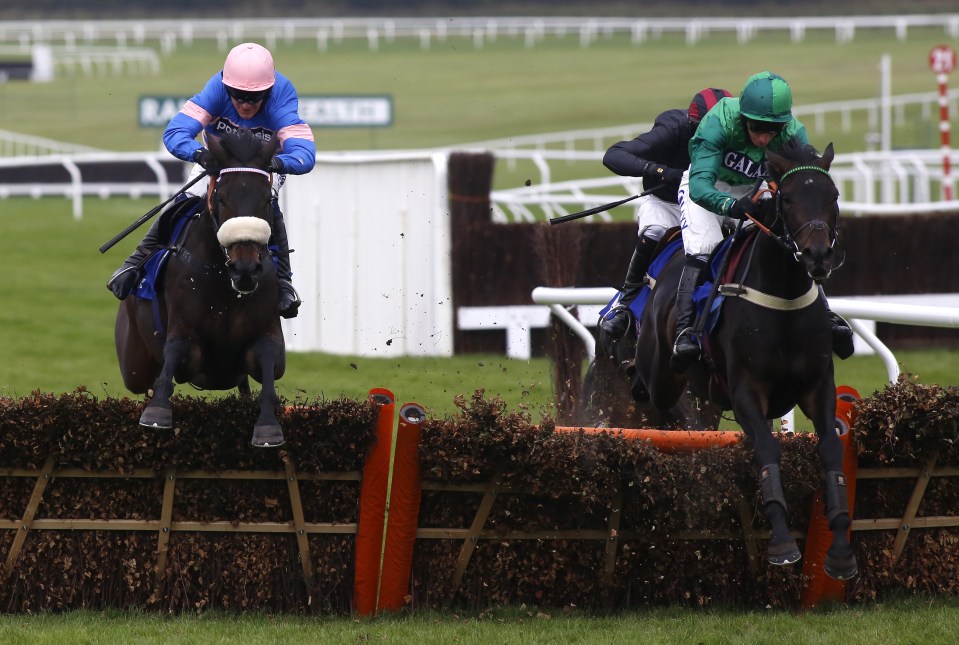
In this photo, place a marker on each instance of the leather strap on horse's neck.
(768, 301)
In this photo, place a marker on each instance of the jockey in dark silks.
(659, 156)
(248, 93)
(727, 158)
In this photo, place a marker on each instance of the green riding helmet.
(767, 97)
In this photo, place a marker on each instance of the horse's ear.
(827, 156)
(777, 163)
(215, 146)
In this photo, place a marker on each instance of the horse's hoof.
(841, 568)
(157, 417)
(784, 553)
(267, 436)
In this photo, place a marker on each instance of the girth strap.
(768, 301)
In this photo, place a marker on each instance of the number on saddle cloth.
(172, 229)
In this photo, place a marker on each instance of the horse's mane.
(242, 144)
(798, 152)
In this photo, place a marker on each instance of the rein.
(788, 242)
(788, 239)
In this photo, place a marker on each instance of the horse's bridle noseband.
(214, 218)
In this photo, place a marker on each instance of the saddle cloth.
(172, 229)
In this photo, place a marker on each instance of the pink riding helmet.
(249, 67)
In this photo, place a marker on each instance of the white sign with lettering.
(318, 111)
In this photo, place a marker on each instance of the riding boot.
(615, 326)
(842, 343)
(289, 299)
(124, 280)
(686, 349)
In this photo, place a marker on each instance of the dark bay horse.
(217, 320)
(771, 348)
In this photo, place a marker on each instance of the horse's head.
(807, 202)
(240, 203)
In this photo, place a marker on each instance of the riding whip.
(156, 209)
(604, 207)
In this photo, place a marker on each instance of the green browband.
(798, 168)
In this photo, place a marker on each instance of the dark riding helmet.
(766, 97)
(704, 101)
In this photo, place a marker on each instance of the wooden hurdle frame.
(391, 489)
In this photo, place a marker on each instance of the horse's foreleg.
(840, 558)
(767, 454)
(782, 547)
(266, 356)
(158, 412)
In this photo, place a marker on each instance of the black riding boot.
(615, 326)
(124, 279)
(686, 348)
(842, 343)
(289, 299)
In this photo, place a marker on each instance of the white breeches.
(654, 216)
(702, 229)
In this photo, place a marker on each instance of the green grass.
(57, 319)
(454, 93)
(919, 621)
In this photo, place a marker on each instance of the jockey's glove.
(277, 166)
(741, 207)
(662, 173)
(206, 159)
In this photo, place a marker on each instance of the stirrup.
(686, 351)
(610, 325)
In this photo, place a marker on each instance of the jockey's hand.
(206, 159)
(741, 207)
(277, 166)
(662, 173)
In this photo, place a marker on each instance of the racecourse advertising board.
(354, 111)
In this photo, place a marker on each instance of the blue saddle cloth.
(701, 295)
(655, 268)
(152, 269)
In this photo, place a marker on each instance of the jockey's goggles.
(764, 127)
(246, 97)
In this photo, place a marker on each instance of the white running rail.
(856, 310)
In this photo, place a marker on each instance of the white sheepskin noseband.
(243, 229)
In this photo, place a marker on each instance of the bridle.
(212, 196)
(787, 239)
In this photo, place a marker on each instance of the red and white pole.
(942, 60)
(947, 187)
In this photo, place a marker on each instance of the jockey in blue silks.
(248, 93)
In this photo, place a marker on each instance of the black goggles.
(764, 127)
(246, 97)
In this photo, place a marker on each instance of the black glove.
(206, 159)
(662, 173)
(741, 207)
(277, 166)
